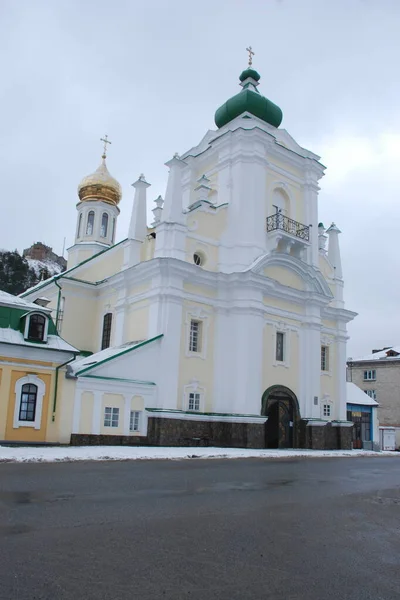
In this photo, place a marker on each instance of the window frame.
(89, 222)
(135, 421)
(111, 415)
(28, 323)
(196, 400)
(278, 336)
(198, 341)
(41, 390)
(371, 394)
(106, 332)
(325, 360)
(107, 218)
(326, 410)
(367, 372)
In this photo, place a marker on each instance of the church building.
(223, 323)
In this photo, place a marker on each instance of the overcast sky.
(151, 74)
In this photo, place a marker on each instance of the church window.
(326, 410)
(324, 358)
(195, 335)
(79, 225)
(370, 375)
(279, 351)
(37, 327)
(194, 401)
(371, 394)
(113, 231)
(27, 407)
(111, 416)
(90, 223)
(134, 422)
(104, 225)
(106, 336)
(198, 259)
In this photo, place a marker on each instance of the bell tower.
(99, 196)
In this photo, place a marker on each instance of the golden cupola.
(100, 186)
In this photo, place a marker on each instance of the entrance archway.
(281, 407)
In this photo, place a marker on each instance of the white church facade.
(221, 324)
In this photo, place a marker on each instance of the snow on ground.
(75, 453)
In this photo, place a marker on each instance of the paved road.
(312, 529)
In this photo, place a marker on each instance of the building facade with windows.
(224, 322)
(378, 375)
(32, 359)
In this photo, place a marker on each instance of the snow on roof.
(18, 302)
(90, 361)
(356, 396)
(54, 342)
(379, 355)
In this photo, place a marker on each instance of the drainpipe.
(58, 302)
(53, 417)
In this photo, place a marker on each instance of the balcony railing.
(280, 221)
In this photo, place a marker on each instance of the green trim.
(102, 362)
(120, 379)
(206, 414)
(61, 275)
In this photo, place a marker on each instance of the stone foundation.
(324, 437)
(180, 432)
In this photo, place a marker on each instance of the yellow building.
(32, 355)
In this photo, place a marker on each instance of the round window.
(198, 259)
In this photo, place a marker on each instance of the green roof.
(249, 100)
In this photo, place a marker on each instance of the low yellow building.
(31, 356)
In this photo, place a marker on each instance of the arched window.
(106, 337)
(79, 225)
(113, 231)
(280, 202)
(90, 223)
(37, 326)
(27, 407)
(104, 225)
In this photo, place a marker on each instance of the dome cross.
(106, 141)
(251, 54)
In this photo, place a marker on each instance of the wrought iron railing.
(280, 221)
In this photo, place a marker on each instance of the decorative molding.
(41, 389)
(195, 387)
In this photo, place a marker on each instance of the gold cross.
(106, 141)
(251, 54)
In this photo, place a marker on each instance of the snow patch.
(85, 453)
(38, 266)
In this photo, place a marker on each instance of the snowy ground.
(56, 454)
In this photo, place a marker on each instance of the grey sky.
(151, 75)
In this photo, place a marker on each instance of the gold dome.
(100, 186)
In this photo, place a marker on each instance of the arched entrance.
(281, 407)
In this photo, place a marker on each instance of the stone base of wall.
(180, 432)
(84, 439)
(324, 437)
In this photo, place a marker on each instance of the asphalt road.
(290, 529)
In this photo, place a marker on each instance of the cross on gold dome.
(251, 54)
(106, 141)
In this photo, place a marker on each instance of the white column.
(340, 365)
(334, 250)
(310, 370)
(127, 412)
(77, 410)
(310, 190)
(138, 224)
(169, 367)
(96, 416)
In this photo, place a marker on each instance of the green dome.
(248, 100)
(249, 73)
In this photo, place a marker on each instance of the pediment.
(293, 273)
